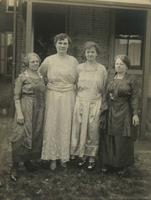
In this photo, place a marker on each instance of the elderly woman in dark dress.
(29, 105)
(122, 116)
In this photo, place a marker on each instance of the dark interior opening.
(46, 26)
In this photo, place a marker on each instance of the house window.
(2, 53)
(129, 36)
(9, 52)
(6, 52)
(10, 5)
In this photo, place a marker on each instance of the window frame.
(10, 4)
(128, 38)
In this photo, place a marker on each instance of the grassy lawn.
(74, 183)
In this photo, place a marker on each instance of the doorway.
(46, 26)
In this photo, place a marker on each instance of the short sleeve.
(43, 68)
(76, 62)
(18, 87)
(80, 68)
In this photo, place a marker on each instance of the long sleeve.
(104, 93)
(134, 101)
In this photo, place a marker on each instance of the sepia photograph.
(75, 99)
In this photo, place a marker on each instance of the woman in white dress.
(60, 73)
(89, 104)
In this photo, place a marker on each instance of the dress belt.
(89, 98)
(61, 87)
(28, 95)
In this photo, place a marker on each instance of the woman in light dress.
(60, 73)
(28, 125)
(89, 104)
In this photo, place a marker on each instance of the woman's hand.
(103, 119)
(20, 119)
(135, 120)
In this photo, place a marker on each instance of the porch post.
(29, 26)
(14, 43)
(146, 73)
(112, 35)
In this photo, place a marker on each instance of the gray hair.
(124, 58)
(28, 56)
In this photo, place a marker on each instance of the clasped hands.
(103, 120)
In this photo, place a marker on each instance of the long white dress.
(61, 74)
(89, 100)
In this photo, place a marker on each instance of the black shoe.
(91, 165)
(29, 166)
(13, 175)
(81, 163)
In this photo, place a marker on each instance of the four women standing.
(72, 128)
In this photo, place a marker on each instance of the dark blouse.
(123, 103)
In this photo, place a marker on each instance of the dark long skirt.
(21, 153)
(27, 143)
(118, 151)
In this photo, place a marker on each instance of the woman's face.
(91, 54)
(62, 46)
(33, 63)
(120, 66)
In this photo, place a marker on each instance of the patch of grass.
(73, 183)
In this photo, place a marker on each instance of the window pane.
(134, 52)
(9, 49)
(2, 39)
(2, 46)
(2, 53)
(10, 5)
(10, 2)
(121, 46)
(130, 25)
